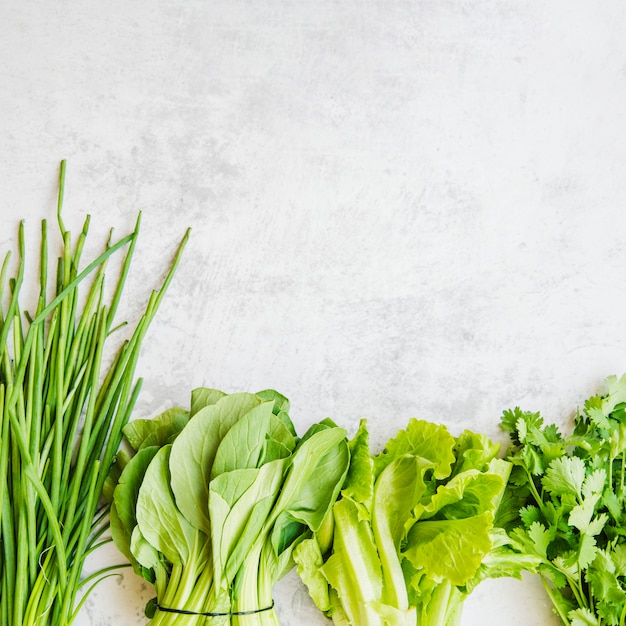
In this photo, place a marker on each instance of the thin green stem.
(85, 527)
(62, 420)
(555, 599)
(621, 487)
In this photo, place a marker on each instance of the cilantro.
(572, 495)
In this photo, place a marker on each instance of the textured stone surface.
(398, 208)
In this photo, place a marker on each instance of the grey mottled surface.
(398, 208)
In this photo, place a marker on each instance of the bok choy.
(212, 502)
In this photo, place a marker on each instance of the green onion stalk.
(62, 410)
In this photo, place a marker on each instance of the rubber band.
(167, 609)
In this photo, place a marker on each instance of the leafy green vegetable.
(61, 418)
(211, 512)
(572, 505)
(412, 532)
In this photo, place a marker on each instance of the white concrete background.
(398, 208)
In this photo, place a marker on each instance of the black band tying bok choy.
(167, 609)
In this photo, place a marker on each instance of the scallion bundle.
(62, 411)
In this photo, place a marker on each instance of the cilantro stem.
(556, 600)
(621, 489)
(533, 490)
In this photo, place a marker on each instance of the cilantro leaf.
(583, 617)
(565, 476)
(618, 558)
(594, 483)
(593, 408)
(530, 514)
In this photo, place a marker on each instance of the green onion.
(61, 418)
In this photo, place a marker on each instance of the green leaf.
(279, 442)
(618, 440)
(324, 534)
(239, 503)
(513, 421)
(397, 493)
(121, 460)
(158, 431)
(529, 429)
(398, 489)
(505, 558)
(601, 573)
(551, 451)
(309, 561)
(318, 469)
(510, 507)
(613, 504)
(203, 397)
(616, 394)
(530, 514)
(123, 509)
(597, 524)
(359, 483)
(540, 538)
(594, 483)
(158, 518)
(587, 550)
(281, 403)
(567, 563)
(193, 452)
(468, 494)
(609, 612)
(430, 441)
(552, 434)
(151, 608)
(242, 446)
(618, 557)
(143, 551)
(583, 617)
(565, 476)
(594, 409)
(119, 533)
(584, 554)
(336, 611)
(519, 475)
(532, 460)
(450, 550)
(580, 516)
(474, 451)
(286, 534)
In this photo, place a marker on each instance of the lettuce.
(413, 531)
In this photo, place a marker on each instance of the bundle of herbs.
(415, 529)
(62, 411)
(211, 502)
(572, 505)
